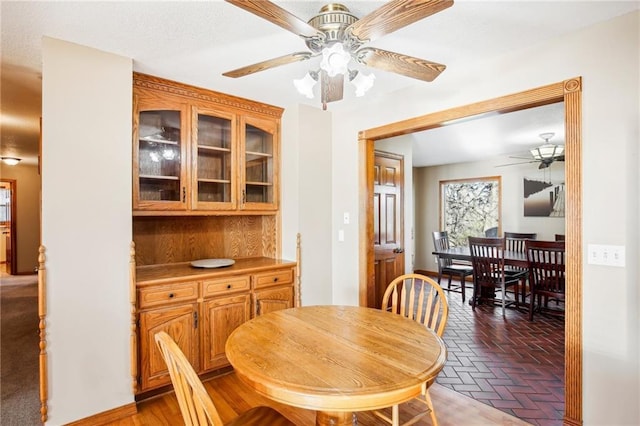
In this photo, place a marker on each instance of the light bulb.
(335, 60)
(305, 85)
(362, 82)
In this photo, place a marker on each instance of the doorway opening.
(569, 92)
(8, 258)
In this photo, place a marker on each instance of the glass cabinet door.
(259, 163)
(214, 160)
(160, 173)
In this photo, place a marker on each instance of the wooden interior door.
(388, 223)
(8, 226)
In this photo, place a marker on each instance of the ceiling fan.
(544, 154)
(339, 36)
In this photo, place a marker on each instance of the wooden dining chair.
(546, 261)
(196, 405)
(448, 266)
(487, 258)
(421, 299)
(514, 241)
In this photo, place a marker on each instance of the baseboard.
(107, 417)
(434, 274)
(426, 273)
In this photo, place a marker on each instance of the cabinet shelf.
(213, 148)
(259, 154)
(260, 183)
(162, 141)
(156, 177)
(214, 180)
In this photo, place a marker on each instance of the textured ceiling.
(195, 42)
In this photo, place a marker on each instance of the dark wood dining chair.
(420, 299)
(491, 232)
(448, 266)
(514, 241)
(487, 258)
(546, 261)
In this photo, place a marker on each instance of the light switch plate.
(600, 254)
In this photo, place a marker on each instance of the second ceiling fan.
(339, 36)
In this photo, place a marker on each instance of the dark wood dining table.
(511, 258)
(336, 359)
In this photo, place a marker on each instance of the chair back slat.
(441, 243)
(487, 257)
(195, 404)
(514, 241)
(547, 266)
(419, 298)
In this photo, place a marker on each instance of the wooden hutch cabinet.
(201, 308)
(200, 152)
(205, 185)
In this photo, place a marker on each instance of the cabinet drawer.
(167, 294)
(225, 285)
(282, 276)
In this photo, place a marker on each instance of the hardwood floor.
(232, 397)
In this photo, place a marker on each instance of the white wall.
(307, 145)
(427, 200)
(606, 56)
(86, 228)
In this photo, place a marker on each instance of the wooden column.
(42, 314)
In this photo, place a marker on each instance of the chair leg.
(432, 413)
(531, 307)
(462, 286)
(395, 415)
(503, 299)
(475, 295)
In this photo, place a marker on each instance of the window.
(468, 207)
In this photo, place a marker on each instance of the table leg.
(335, 418)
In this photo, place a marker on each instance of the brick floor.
(512, 364)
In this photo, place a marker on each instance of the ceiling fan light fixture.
(547, 151)
(11, 161)
(305, 84)
(335, 60)
(361, 82)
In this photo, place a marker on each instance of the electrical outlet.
(346, 218)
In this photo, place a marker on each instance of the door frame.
(13, 261)
(567, 91)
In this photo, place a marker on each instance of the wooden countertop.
(159, 274)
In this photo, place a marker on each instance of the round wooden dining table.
(335, 359)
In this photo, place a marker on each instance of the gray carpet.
(20, 401)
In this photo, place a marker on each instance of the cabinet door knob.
(228, 285)
(275, 279)
(171, 295)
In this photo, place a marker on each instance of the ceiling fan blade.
(271, 63)
(400, 64)
(331, 88)
(277, 15)
(393, 16)
(515, 164)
